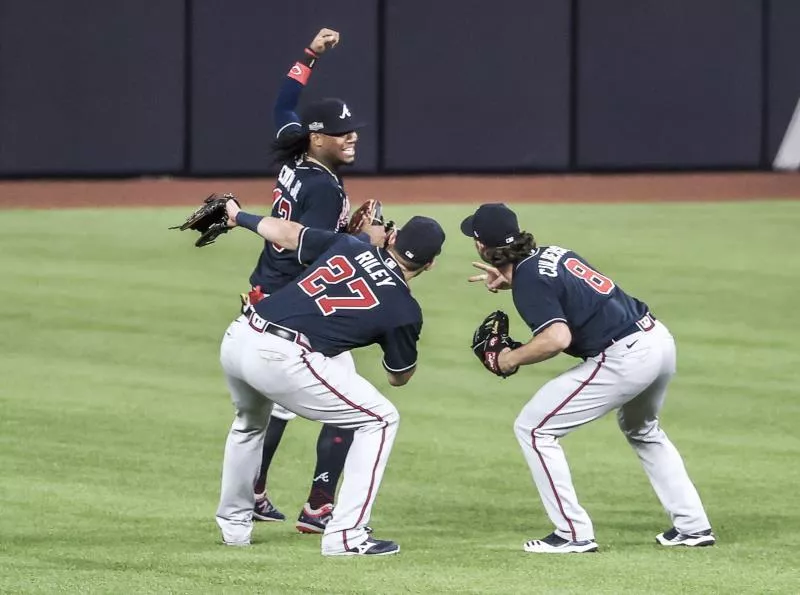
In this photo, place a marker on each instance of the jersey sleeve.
(322, 206)
(537, 301)
(313, 242)
(287, 122)
(400, 348)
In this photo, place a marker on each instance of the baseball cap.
(420, 240)
(493, 224)
(329, 116)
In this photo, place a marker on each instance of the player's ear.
(315, 139)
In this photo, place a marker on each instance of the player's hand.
(494, 279)
(325, 39)
(505, 365)
(232, 209)
(391, 236)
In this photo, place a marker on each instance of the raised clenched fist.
(325, 39)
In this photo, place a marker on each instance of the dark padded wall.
(91, 86)
(784, 54)
(669, 83)
(461, 92)
(242, 49)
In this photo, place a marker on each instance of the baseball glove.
(490, 338)
(369, 213)
(210, 219)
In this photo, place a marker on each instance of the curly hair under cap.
(518, 250)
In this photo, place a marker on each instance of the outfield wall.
(185, 87)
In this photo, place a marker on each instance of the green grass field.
(114, 414)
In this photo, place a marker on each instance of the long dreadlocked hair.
(289, 147)
(518, 250)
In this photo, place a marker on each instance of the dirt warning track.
(46, 194)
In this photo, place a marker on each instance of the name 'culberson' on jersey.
(312, 196)
(556, 285)
(352, 295)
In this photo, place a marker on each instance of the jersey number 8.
(336, 270)
(593, 279)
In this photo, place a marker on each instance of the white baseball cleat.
(369, 547)
(674, 537)
(553, 544)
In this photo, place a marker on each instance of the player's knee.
(523, 428)
(246, 422)
(648, 432)
(391, 415)
(528, 419)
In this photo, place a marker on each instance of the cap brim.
(466, 226)
(345, 129)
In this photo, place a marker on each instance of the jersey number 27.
(336, 270)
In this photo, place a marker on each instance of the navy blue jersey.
(314, 197)
(305, 192)
(556, 285)
(352, 295)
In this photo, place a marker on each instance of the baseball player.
(286, 350)
(310, 151)
(628, 361)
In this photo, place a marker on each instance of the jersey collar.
(401, 278)
(318, 165)
(526, 259)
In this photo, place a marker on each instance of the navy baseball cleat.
(674, 537)
(264, 510)
(314, 520)
(553, 544)
(370, 547)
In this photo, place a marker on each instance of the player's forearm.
(530, 353)
(552, 341)
(290, 91)
(401, 378)
(281, 232)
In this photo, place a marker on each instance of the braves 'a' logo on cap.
(345, 112)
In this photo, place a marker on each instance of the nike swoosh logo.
(629, 345)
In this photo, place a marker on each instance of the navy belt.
(645, 323)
